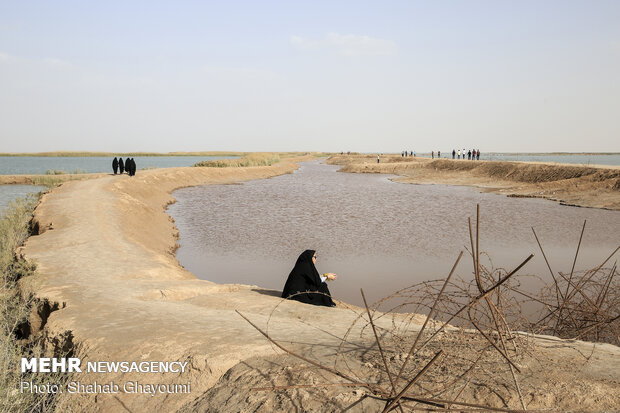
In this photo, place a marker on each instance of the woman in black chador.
(305, 279)
(115, 165)
(121, 166)
(131, 169)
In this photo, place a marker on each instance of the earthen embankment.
(578, 185)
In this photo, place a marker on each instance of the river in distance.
(374, 233)
(19, 165)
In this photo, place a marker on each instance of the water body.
(580, 159)
(10, 192)
(374, 233)
(20, 165)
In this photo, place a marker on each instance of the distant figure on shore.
(468, 155)
(377, 158)
(121, 166)
(459, 154)
(432, 154)
(478, 155)
(453, 153)
(306, 285)
(115, 165)
(131, 170)
(438, 154)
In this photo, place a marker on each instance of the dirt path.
(105, 259)
(115, 291)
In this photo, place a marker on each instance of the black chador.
(132, 169)
(127, 165)
(305, 279)
(115, 165)
(121, 166)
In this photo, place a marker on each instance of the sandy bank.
(113, 290)
(113, 287)
(587, 186)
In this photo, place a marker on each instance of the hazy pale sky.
(310, 75)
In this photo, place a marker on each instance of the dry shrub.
(15, 308)
(581, 304)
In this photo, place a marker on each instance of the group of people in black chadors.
(128, 166)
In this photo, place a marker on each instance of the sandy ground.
(111, 289)
(595, 186)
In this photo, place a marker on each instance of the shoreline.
(113, 289)
(568, 184)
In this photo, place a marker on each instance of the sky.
(366, 76)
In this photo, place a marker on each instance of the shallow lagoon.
(372, 232)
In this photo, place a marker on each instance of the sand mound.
(522, 172)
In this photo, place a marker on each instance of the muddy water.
(374, 233)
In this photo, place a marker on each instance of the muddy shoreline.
(573, 185)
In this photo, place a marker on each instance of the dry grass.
(16, 307)
(51, 181)
(62, 172)
(253, 159)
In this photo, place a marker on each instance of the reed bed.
(63, 172)
(252, 159)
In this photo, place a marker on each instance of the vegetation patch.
(16, 338)
(51, 181)
(252, 159)
(62, 172)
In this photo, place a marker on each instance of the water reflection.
(374, 233)
(10, 192)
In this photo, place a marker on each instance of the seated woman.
(306, 285)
